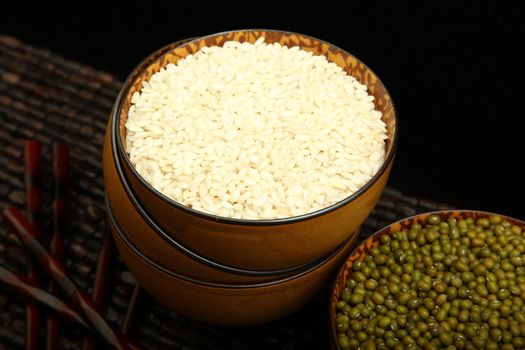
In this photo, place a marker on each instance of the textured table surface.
(48, 98)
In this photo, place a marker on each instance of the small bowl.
(137, 224)
(227, 304)
(373, 241)
(257, 244)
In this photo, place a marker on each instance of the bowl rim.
(382, 231)
(137, 205)
(115, 134)
(163, 269)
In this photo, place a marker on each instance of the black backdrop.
(453, 71)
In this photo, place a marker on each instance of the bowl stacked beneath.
(224, 270)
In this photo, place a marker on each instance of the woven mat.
(48, 98)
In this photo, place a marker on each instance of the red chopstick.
(25, 231)
(32, 153)
(100, 285)
(22, 287)
(131, 312)
(56, 247)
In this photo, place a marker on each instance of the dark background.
(453, 72)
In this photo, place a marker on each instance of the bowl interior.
(373, 241)
(173, 53)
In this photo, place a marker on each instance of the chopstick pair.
(32, 179)
(100, 286)
(30, 286)
(23, 287)
(86, 308)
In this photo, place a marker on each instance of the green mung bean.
(451, 284)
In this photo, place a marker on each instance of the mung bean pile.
(455, 284)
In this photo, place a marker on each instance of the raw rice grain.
(255, 131)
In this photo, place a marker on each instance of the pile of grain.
(255, 131)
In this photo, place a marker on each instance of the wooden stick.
(100, 285)
(32, 177)
(56, 247)
(32, 153)
(85, 306)
(131, 312)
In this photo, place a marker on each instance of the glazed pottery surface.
(258, 244)
(227, 304)
(149, 239)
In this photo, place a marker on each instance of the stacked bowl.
(232, 271)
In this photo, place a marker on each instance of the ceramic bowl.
(257, 244)
(373, 241)
(228, 304)
(138, 225)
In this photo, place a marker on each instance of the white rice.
(255, 131)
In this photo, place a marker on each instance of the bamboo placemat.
(48, 98)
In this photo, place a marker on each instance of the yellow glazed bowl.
(374, 241)
(226, 303)
(256, 244)
(154, 243)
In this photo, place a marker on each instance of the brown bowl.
(373, 241)
(221, 303)
(258, 244)
(137, 224)
(143, 230)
